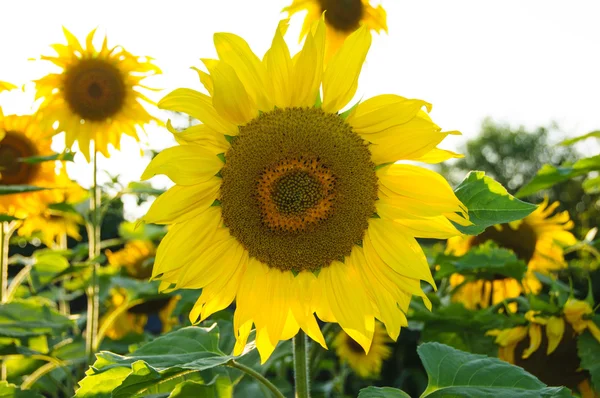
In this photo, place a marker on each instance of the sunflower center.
(94, 89)
(354, 346)
(522, 241)
(12, 171)
(298, 188)
(343, 15)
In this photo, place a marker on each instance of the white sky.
(525, 62)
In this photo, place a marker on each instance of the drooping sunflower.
(538, 239)
(96, 97)
(551, 356)
(292, 208)
(22, 137)
(364, 365)
(136, 258)
(4, 86)
(56, 222)
(342, 17)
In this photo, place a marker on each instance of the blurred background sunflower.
(364, 365)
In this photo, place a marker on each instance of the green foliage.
(486, 261)
(571, 141)
(31, 317)
(589, 352)
(7, 218)
(8, 390)
(549, 175)
(188, 355)
(382, 392)
(15, 189)
(65, 156)
(489, 203)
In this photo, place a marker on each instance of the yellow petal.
(555, 328)
(184, 164)
(385, 111)
(230, 98)
(535, 339)
(436, 155)
(251, 73)
(308, 68)
(181, 203)
(340, 80)
(279, 67)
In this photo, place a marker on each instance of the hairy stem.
(301, 373)
(260, 378)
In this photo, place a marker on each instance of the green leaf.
(65, 156)
(550, 175)
(7, 218)
(454, 373)
(486, 261)
(588, 349)
(143, 188)
(188, 354)
(133, 231)
(47, 265)
(220, 387)
(31, 317)
(489, 203)
(11, 391)
(591, 186)
(15, 189)
(382, 392)
(63, 207)
(571, 141)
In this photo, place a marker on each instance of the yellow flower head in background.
(4, 86)
(538, 240)
(342, 17)
(22, 137)
(135, 257)
(53, 223)
(364, 365)
(96, 96)
(578, 314)
(292, 208)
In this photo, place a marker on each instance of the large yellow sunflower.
(364, 365)
(538, 239)
(292, 208)
(342, 17)
(21, 137)
(53, 223)
(96, 96)
(551, 356)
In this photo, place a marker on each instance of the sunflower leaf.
(588, 349)
(382, 392)
(16, 189)
(65, 156)
(461, 374)
(7, 218)
(175, 362)
(549, 175)
(12, 391)
(489, 203)
(31, 317)
(571, 141)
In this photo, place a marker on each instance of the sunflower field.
(295, 238)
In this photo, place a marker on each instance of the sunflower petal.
(184, 164)
(230, 97)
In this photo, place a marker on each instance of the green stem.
(316, 351)
(3, 260)
(94, 251)
(301, 365)
(260, 378)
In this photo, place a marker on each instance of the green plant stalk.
(260, 378)
(94, 241)
(4, 260)
(301, 365)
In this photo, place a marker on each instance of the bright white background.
(525, 62)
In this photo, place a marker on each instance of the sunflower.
(551, 356)
(96, 97)
(136, 257)
(4, 86)
(342, 17)
(22, 137)
(58, 219)
(538, 240)
(292, 208)
(364, 365)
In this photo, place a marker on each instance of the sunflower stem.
(260, 378)
(301, 372)
(4, 260)
(94, 241)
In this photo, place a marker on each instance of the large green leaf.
(588, 349)
(188, 354)
(382, 392)
(486, 261)
(489, 203)
(550, 175)
(571, 141)
(220, 387)
(454, 373)
(15, 189)
(31, 317)
(11, 391)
